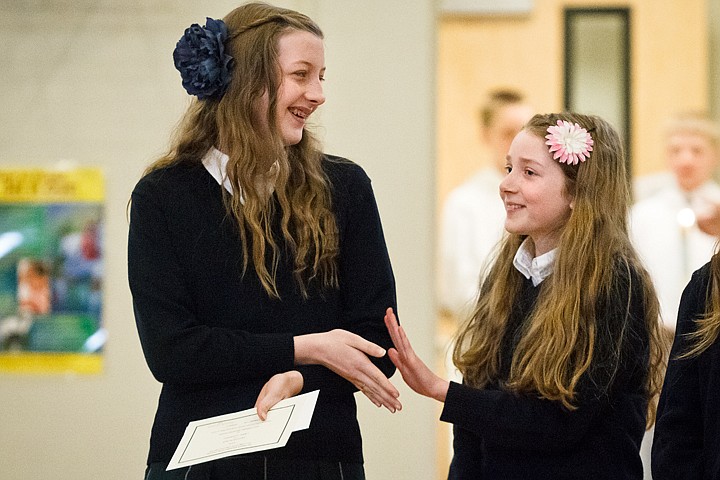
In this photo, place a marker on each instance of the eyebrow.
(526, 160)
(306, 63)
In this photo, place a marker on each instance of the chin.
(292, 139)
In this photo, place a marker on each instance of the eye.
(529, 172)
(508, 169)
(300, 74)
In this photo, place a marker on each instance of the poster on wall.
(51, 270)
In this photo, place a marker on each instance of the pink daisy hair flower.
(569, 142)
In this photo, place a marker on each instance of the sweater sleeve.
(524, 421)
(178, 346)
(504, 418)
(677, 448)
(366, 278)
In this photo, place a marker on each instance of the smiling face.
(534, 191)
(301, 59)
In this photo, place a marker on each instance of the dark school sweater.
(499, 434)
(213, 337)
(686, 442)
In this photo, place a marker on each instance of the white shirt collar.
(215, 163)
(536, 269)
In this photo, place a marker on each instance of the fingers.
(365, 346)
(373, 383)
(263, 404)
(391, 324)
(381, 396)
(398, 336)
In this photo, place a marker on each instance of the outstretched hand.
(346, 354)
(416, 374)
(279, 387)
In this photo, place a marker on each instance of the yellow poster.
(51, 270)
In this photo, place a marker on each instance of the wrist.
(306, 349)
(441, 390)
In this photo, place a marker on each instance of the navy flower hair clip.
(200, 57)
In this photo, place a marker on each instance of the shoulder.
(697, 288)
(342, 170)
(347, 178)
(629, 282)
(657, 203)
(170, 179)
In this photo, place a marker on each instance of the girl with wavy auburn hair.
(686, 443)
(257, 264)
(562, 358)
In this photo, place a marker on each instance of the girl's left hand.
(416, 374)
(279, 387)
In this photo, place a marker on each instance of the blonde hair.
(230, 123)
(708, 325)
(699, 123)
(563, 335)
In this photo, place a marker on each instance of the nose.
(315, 93)
(507, 184)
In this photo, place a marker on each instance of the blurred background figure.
(473, 215)
(665, 223)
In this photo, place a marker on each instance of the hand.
(416, 374)
(346, 354)
(709, 219)
(279, 387)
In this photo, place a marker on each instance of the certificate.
(243, 432)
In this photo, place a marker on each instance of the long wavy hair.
(564, 336)
(302, 190)
(708, 325)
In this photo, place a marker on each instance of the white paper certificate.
(243, 432)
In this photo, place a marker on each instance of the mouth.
(511, 207)
(300, 114)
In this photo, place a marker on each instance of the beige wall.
(669, 73)
(93, 82)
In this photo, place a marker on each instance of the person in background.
(257, 264)
(686, 443)
(473, 215)
(665, 226)
(563, 357)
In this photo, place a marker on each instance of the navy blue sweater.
(499, 434)
(686, 444)
(213, 336)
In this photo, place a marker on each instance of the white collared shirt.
(215, 163)
(536, 269)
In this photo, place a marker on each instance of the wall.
(669, 73)
(92, 81)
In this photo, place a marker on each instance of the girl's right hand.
(279, 387)
(414, 371)
(346, 354)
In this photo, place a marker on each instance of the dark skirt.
(259, 468)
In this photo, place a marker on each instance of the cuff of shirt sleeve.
(456, 402)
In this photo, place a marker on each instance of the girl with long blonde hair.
(257, 264)
(562, 358)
